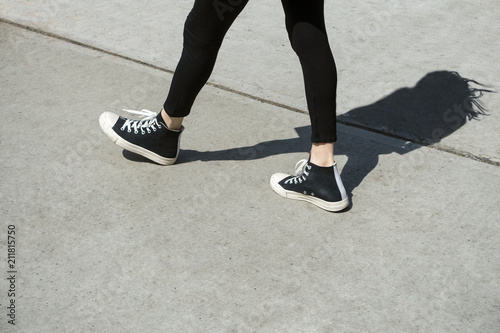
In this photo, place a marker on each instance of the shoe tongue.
(159, 119)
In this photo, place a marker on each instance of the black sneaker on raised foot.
(321, 186)
(148, 136)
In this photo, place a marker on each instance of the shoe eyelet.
(129, 130)
(136, 132)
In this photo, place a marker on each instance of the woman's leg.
(317, 180)
(204, 30)
(157, 136)
(305, 24)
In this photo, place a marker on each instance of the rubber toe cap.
(108, 119)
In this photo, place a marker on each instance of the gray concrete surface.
(108, 242)
(379, 46)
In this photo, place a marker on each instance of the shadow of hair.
(439, 104)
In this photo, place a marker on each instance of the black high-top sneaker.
(321, 186)
(148, 136)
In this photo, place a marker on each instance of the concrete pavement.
(108, 242)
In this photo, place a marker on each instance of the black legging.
(204, 30)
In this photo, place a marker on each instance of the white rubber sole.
(326, 205)
(107, 120)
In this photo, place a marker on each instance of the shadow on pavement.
(439, 104)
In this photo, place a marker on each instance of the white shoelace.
(301, 172)
(147, 122)
(299, 167)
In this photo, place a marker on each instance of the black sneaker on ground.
(148, 136)
(321, 186)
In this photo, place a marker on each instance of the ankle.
(322, 154)
(172, 123)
